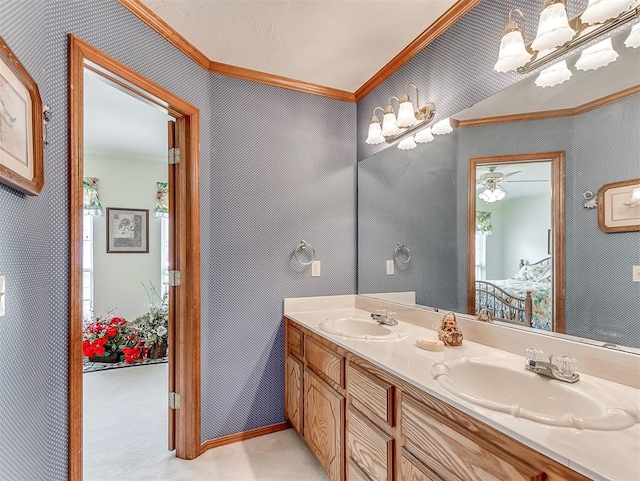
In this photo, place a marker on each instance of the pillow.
(535, 273)
(524, 274)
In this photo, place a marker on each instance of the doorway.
(183, 263)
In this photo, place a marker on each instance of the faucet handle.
(391, 315)
(535, 354)
(567, 364)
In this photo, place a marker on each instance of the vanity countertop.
(601, 455)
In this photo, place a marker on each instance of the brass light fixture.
(410, 120)
(557, 35)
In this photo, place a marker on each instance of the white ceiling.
(334, 43)
(119, 124)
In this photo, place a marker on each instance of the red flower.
(112, 331)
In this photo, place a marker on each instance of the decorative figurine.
(448, 332)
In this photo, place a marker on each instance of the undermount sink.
(361, 328)
(524, 394)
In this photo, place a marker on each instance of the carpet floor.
(125, 438)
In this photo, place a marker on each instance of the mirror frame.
(557, 226)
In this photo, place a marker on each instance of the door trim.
(187, 324)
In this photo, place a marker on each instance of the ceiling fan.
(494, 178)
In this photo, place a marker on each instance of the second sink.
(524, 394)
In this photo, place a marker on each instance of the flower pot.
(110, 359)
(157, 351)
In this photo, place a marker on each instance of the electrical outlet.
(390, 268)
(1, 296)
(636, 273)
(315, 269)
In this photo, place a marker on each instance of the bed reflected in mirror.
(515, 240)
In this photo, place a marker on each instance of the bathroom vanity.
(372, 410)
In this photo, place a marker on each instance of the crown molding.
(437, 28)
(162, 28)
(551, 114)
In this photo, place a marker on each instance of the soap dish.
(429, 344)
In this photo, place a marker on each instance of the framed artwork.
(127, 230)
(21, 126)
(619, 206)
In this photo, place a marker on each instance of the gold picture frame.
(21, 126)
(619, 206)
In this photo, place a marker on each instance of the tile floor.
(125, 438)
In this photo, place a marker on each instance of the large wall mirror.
(515, 243)
(424, 199)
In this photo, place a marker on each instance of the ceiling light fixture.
(407, 122)
(557, 35)
(493, 193)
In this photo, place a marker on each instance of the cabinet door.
(294, 392)
(324, 424)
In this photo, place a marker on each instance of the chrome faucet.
(388, 318)
(566, 371)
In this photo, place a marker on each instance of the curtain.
(162, 200)
(91, 202)
(483, 223)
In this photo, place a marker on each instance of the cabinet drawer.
(413, 470)
(370, 448)
(294, 341)
(434, 442)
(324, 361)
(373, 393)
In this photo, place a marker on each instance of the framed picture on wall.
(619, 206)
(21, 126)
(127, 230)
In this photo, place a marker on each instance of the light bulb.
(553, 28)
(599, 11)
(596, 56)
(406, 117)
(442, 127)
(375, 132)
(389, 125)
(499, 193)
(513, 53)
(554, 75)
(424, 136)
(407, 143)
(633, 40)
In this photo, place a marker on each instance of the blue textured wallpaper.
(263, 189)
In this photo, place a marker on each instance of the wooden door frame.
(186, 323)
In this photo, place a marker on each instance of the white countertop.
(601, 455)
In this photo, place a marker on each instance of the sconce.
(557, 35)
(407, 122)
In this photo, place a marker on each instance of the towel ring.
(304, 245)
(399, 248)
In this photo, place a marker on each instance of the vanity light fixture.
(555, 75)
(513, 53)
(442, 127)
(407, 122)
(557, 35)
(424, 136)
(596, 56)
(553, 28)
(599, 11)
(633, 40)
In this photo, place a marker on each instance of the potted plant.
(153, 324)
(112, 340)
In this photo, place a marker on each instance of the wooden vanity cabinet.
(364, 424)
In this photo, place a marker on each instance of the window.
(87, 266)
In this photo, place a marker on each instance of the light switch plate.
(2, 296)
(315, 269)
(636, 273)
(390, 268)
